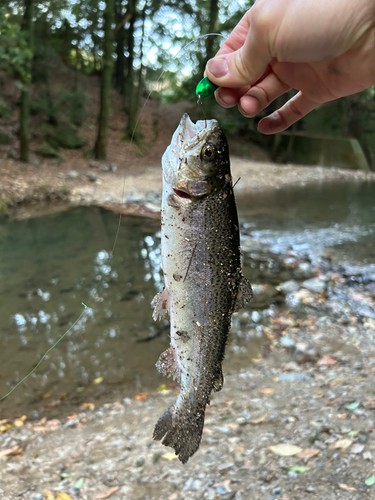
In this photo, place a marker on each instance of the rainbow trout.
(204, 284)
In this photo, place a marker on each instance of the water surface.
(50, 265)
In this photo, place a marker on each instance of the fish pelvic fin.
(181, 428)
(161, 304)
(244, 294)
(167, 365)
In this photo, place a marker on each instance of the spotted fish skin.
(204, 284)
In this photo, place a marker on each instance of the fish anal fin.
(167, 364)
(218, 382)
(244, 294)
(161, 304)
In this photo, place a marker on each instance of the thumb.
(243, 66)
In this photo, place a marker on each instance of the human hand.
(323, 48)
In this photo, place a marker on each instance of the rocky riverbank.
(298, 423)
(137, 189)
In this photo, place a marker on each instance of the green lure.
(205, 88)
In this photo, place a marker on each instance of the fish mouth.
(182, 194)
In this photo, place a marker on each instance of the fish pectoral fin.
(167, 365)
(161, 304)
(244, 294)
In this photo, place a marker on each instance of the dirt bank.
(323, 404)
(118, 186)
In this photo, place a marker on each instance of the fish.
(204, 284)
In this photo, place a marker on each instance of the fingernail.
(271, 124)
(220, 100)
(218, 67)
(243, 112)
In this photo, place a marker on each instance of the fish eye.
(208, 152)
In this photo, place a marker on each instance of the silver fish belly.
(204, 284)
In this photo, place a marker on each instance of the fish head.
(196, 163)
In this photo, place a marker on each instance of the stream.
(52, 264)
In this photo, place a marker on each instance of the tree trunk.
(129, 83)
(120, 46)
(212, 28)
(24, 104)
(100, 148)
(131, 131)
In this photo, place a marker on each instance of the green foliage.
(62, 106)
(15, 52)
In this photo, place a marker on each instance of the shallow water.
(50, 265)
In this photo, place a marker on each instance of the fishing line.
(45, 354)
(181, 50)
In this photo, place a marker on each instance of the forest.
(50, 52)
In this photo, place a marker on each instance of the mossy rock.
(4, 207)
(5, 109)
(48, 151)
(5, 139)
(65, 137)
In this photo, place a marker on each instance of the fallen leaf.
(341, 443)
(16, 450)
(18, 422)
(88, 406)
(308, 453)
(141, 397)
(370, 481)
(108, 493)
(48, 495)
(353, 406)
(259, 420)
(285, 449)
(47, 395)
(78, 485)
(174, 496)
(345, 487)
(327, 361)
(169, 456)
(357, 448)
(51, 404)
(299, 468)
(335, 382)
(342, 416)
(98, 380)
(63, 496)
(6, 427)
(267, 391)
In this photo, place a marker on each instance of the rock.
(316, 285)
(65, 137)
(91, 177)
(5, 109)
(72, 174)
(140, 462)
(293, 376)
(12, 153)
(287, 342)
(5, 138)
(48, 151)
(310, 489)
(276, 491)
(263, 295)
(305, 353)
(94, 164)
(289, 286)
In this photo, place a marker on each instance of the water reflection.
(50, 265)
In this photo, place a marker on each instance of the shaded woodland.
(51, 50)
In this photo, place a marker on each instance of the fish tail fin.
(181, 428)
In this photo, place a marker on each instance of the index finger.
(237, 37)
